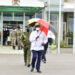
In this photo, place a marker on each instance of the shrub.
(53, 47)
(62, 44)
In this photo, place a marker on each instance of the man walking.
(26, 48)
(19, 35)
(13, 38)
(37, 39)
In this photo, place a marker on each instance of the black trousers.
(50, 41)
(45, 50)
(36, 57)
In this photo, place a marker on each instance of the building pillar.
(62, 23)
(74, 32)
(49, 13)
(67, 27)
(35, 15)
(24, 23)
(44, 14)
(13, 16)
(1, 28)
(59, 27)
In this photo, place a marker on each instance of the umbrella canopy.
(33, 21)
(44, 25)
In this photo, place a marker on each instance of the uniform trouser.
(36, 56)
(13, 42)
(19, 43)
(27, 56)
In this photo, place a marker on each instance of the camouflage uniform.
(26, 48)
(13, 38)
(19, 35)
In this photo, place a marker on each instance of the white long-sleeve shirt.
(37, 44)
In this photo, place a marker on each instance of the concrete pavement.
(63, 64)
(9, 50)
(13, 64)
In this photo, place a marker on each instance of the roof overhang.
(27, 10)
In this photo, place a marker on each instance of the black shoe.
(14, 47)
(44, 61)
(32, 69)
(18, 47)
(39, 71)
(28, 65)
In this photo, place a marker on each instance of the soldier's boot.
(14, 47)
(25, 63)
(28, 65)
(18, 47)
(21, 47)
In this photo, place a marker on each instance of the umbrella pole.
(59, 30)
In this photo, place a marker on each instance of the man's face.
(37, 28)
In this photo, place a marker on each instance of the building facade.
(14, 13)
(67, 20)
(19, 12)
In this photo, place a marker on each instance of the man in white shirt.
(37, 39)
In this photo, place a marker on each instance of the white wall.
(53, 2)
(34, 3)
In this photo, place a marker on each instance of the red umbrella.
(44, 24)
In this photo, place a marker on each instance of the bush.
(62, 44)
(53, 47)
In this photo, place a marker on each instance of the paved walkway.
(13, 64)
(9, 50)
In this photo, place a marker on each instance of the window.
(7, 15)
(53, 17)
(18, 16)
(39, 15)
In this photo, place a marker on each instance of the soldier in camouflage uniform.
(19, 35)
(26, 48)
(13, 38)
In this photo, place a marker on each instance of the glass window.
(0, 15)
(70, 25)
(18, 16)
(53, 17)
(26, 19)
(0, 32)
(39, 15)
(71, 22)
(7, 15)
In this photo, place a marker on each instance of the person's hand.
(37, 37)
(43, 44)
